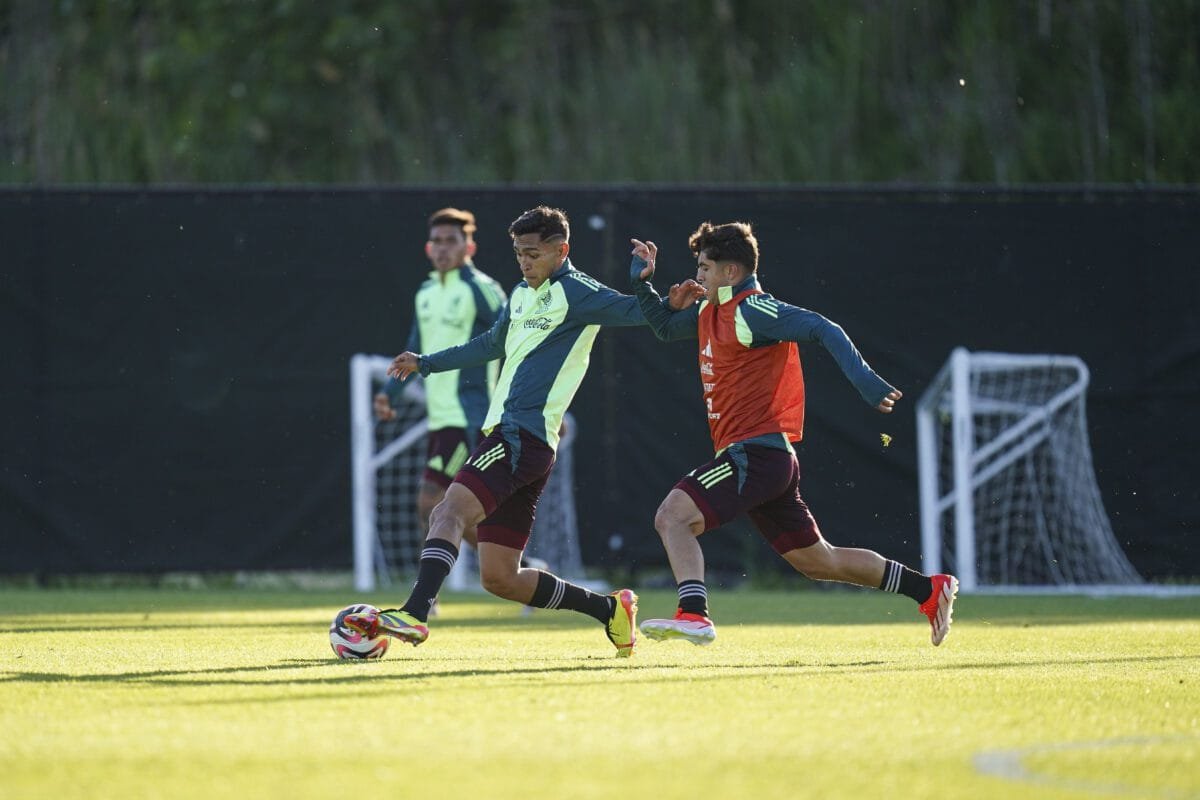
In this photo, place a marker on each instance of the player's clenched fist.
(888, 405)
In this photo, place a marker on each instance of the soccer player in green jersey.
(455, 303)
(545, 334)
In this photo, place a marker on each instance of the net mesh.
(1038, 515)
(398, 530)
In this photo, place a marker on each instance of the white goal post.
(1008, 494)
(387, 460)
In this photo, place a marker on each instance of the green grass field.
(202, 694)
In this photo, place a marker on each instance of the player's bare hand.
(889, 403)
(383, 408)
(682, 295)
(648, 252)
(404, 365)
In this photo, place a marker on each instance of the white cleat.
(693, 628)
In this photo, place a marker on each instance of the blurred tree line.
(499, 91)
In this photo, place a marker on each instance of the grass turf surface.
(200, 694)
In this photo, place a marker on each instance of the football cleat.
(622, 624)
(389, 622)
(939, 608)
(694, 628)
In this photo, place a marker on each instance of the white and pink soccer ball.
(349, 643)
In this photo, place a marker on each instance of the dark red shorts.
(446, 451)
(507, 473)
(762, 481)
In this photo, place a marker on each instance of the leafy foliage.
(526, 91)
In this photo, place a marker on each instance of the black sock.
(693, 598)
(554, 592)
(902, 580)
(437, 559)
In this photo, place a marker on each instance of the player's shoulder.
(577, 281)
(761, 303)
(484, 286)
(474, 274)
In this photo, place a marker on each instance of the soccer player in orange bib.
(754, 395)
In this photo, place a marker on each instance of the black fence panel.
(176, 382)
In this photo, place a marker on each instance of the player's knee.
(673, 515)
(662, 519)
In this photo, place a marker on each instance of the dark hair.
(545, 221)
(733, 241)
(454, 216)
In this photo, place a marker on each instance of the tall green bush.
(503, 91)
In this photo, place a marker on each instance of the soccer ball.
(349, 643)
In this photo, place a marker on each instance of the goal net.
(388, 459)
(1009, 500)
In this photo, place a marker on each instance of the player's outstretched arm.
(487, 346)
(773, 319)
(674, 318)
(680, 295)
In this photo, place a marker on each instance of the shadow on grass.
(164, 623)
(828, 606)
(845, 606)
(646, 672)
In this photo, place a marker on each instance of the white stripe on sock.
(560, 589)
(693, 590)
(892, 583)
(438, 554)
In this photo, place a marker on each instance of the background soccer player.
(545, 334)
(456, 303)
(754, 396)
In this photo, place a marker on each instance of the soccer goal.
(387, 460)
(1009, 500)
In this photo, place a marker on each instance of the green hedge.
(499, 91)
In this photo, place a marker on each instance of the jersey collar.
(563, 270)
(457, 272)
(727, 293)
(554, 276)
